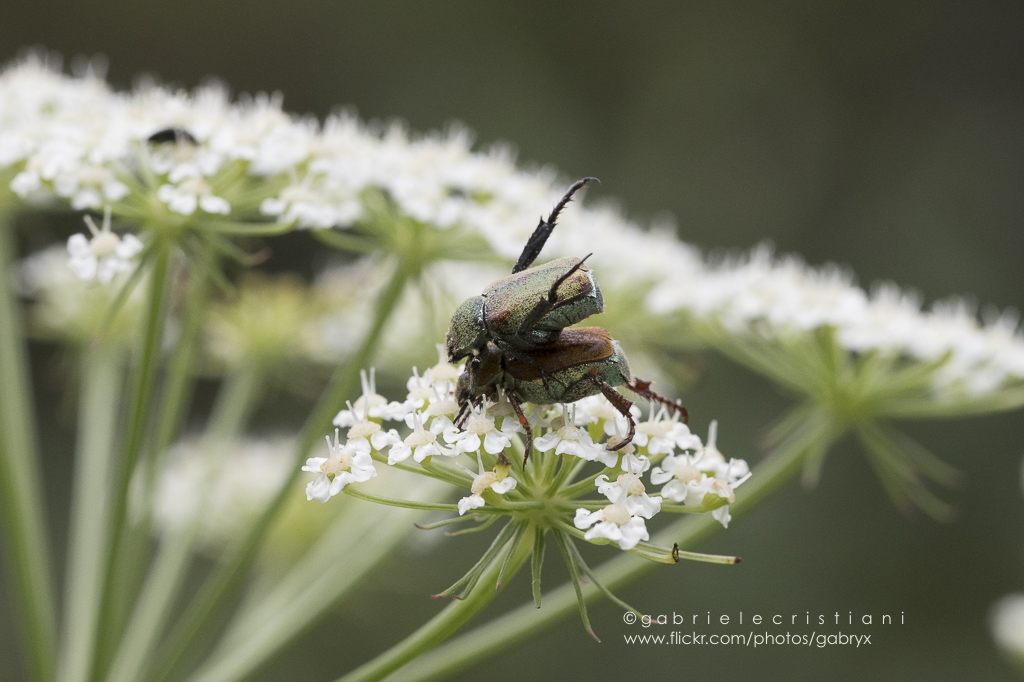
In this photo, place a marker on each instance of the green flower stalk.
(546, 494)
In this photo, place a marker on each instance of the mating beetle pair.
(517, 336)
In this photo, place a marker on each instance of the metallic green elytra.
(527, 309)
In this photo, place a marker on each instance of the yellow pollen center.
(104, 244)
(196, 186)
(446, 406)
(686, 472)
(363, 430)
(421, 437)
(658, 429)
(631, 483)
(375, 400)
(569, 432)
(343, 462)
(483, 482)
(480, 424)
(617, 514)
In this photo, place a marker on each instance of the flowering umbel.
(551, 491)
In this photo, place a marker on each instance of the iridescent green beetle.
(527, 309)
(516, 337)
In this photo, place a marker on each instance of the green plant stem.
(177, 389)
(445, 624)
(152, 609)
(219, 589)
(527, 621)
(90, 508)
(361, 537)
(175, 392)
(24, 528)
(114, 601)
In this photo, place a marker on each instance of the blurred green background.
(887, 136)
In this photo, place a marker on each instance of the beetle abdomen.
(563, 372)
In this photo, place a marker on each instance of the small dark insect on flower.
(175, 135)
(517, 336)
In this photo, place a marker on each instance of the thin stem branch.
(527, 621)
(234, 405)
(90, 508)
(444, 624)
(22, 516)
(222, 585)
(141, 398)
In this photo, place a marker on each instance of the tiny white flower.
(104, 255)
(663, 434)
(479, 426)
(688, 479)
(497, 480)
(567, 438)
(371, 405)
(421, 443)
(370, 432)
(614, 523)
(443, 370)
(191, 191)
(628, 489)
(1006, 621)
(348, 463)
(596, 409)
(420, 389)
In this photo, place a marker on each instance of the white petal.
(129, 246)
(503, 486)
(78, 245)
(215, 204)
(398, 453)
(471, 502)
(85, 267)
(495, 442)
(586, 519)
(313, 464)
(642, 505)
(319, 489)
(633, 532)
(722, 515)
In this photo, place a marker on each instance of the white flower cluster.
(222, 491)
(73, 138)
(782, 297)
(693, 475)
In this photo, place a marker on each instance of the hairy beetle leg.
(643, 388)
(524, 422)
(620, 403)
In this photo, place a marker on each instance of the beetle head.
(467, 333)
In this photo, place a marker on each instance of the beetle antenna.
(544, 228)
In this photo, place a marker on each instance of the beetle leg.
(541, 308)
(643, 388)
(524, 422)
(620, 403)
(544, 229)
(460, 418)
